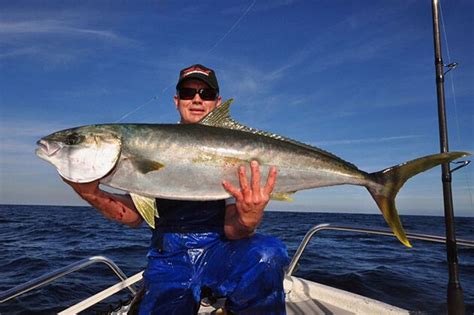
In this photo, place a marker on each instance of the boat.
(302, 295)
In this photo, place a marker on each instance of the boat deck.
(307, 297)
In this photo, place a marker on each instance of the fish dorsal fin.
(220, 117)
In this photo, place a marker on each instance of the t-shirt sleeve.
(230, 201)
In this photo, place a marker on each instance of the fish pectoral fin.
(145, 166)
(283, 196)
(146, 206)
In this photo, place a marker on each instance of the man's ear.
(219, 101)
(175, 99)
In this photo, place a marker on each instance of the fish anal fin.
(146, 206)
(283, 196)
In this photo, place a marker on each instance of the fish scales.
(210, 155)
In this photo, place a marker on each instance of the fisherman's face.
(193, 110)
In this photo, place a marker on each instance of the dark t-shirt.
(180, 216)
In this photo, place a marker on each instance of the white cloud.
(26, 128)
(19, 52)
(54, 42)
(366, 140)
(53, 27)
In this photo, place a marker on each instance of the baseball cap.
(198, 72)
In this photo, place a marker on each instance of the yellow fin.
(146, 206)
(393, 178)
(283, 196)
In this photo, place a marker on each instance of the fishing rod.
(454, 292)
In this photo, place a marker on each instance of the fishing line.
(453, 91)
(458, 129)
(231, 28)
(144, 104)
(137, 108)
(205, 55)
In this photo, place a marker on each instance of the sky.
(355, 78)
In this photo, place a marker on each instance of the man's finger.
(232, 190)
(271, 181)
(255, 167)
(244, 185)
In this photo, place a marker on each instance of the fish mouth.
(46, 148)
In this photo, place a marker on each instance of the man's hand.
(250, 201)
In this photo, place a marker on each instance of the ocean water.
(39, 239)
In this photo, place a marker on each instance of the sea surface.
(39, 239)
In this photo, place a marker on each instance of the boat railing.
(59, 273)
(321, 227)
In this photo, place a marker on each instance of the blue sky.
(355, 78)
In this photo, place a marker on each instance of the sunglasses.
(204, 94)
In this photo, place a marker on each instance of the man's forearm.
(114, 206)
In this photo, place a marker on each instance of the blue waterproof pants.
(248, 272)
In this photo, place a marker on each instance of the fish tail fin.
(389, 181)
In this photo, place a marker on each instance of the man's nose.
(197, 98)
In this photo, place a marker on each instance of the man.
(205, 246)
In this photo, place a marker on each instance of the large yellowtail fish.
(190, 162)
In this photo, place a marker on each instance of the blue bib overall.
(190, 251)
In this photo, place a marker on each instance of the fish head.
(82, 154)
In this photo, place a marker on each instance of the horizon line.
(266, 210)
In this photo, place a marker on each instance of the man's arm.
(113, 206)
(243, 217)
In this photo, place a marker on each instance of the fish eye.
(73, 139)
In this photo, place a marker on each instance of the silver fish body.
(190, 162)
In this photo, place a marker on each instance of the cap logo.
(195, 70)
